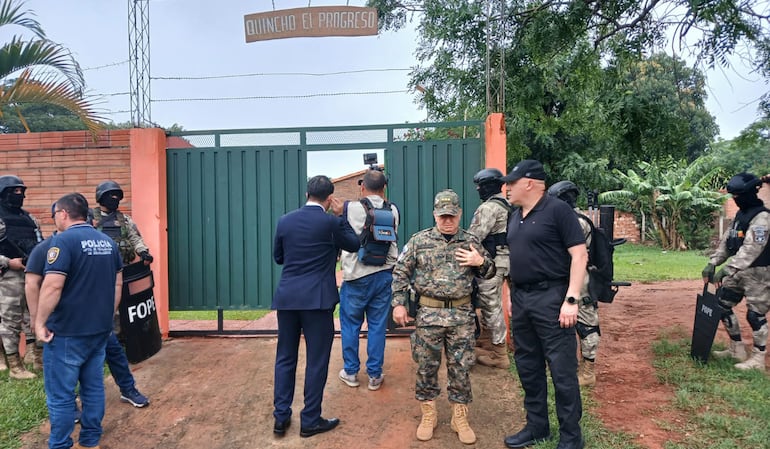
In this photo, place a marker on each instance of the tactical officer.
(443, 262)
(747, 273)
(587, 326)
(489, 224)
(121, 228)
(19, 233)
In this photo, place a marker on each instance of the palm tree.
(38, 70)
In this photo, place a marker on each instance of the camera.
(370, 159)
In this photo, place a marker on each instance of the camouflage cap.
(446, 203)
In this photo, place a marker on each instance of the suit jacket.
(307, 242)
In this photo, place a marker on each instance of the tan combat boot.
(460, 424)
(736, 351)
(429, 421)
(3, 365)
(756, 361)
(18, 370)
(37, 358)
(586, 373)
(485, 339)
(496, 358)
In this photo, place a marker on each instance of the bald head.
(374, 181)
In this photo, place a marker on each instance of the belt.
(542, 285)
(444, 303)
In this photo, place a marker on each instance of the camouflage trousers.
(13, 306)
(491, 304)
(451, 331)
(754, 284)
(588, 316)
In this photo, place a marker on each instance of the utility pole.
(139, 61)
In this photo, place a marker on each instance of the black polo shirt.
(538, 243)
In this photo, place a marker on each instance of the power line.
(277, 97)
(244, 75)
(113, 64)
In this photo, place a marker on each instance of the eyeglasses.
(53, 215)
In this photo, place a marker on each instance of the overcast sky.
(195, 38)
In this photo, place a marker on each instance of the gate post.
(149, 207)
(495, 142)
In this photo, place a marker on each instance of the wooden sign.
(318, 21)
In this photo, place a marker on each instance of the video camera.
(370, 159)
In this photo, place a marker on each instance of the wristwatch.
(571, 299)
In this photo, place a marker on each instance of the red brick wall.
(52, 164)
(625, 226)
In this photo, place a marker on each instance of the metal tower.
(495, 57)
(139, 61)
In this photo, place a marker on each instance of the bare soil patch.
(218, 392)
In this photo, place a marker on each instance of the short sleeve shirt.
(90, 260)
(36, 259)
(538, 243)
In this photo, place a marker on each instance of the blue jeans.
(367, 296)
(118, 363)
(67, 360)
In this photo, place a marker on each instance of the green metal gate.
(227, 189)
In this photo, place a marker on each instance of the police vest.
(116, 227)
(738, 233)
(492, 241)
(21, 233)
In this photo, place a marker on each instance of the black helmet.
(743, 183)
(488, 175)
(107, 186)
(10, 181)
(566, 191)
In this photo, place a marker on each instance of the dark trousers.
(539, 339)
(318, 328)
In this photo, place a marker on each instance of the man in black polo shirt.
(547, 264)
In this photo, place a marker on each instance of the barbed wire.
(113, 64)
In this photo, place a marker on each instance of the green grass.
(723, 408)
(640, 263)
(22, 408)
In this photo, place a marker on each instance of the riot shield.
(708, 313)
(138, 315)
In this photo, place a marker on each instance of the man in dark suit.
(307, 242)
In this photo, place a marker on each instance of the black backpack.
(378, 233)
(601, 267)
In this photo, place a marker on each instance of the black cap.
(528, 168)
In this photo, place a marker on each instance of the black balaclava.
(110, 200)
(488, 189)
(11, 199)
(748, 200)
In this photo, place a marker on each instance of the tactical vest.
(21, 233)
(492, 241)
(116, 227)
(737, 234)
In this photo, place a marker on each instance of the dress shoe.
(525, 438)
(579, 444)
(324, 425)
(279, 428)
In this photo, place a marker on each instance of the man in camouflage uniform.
(442, 261)
(490, 225)
(19, 233)
(121, 228)
(747, 273)
(587, 326)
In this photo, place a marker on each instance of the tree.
(39, 71)
(677, 198)
(569, 77)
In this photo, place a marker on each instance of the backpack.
(601, 267)
(378, 233)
